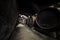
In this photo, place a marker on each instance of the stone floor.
(24, 33)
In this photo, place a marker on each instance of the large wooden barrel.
(48, 18)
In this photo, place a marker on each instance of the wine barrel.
(48, 18)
